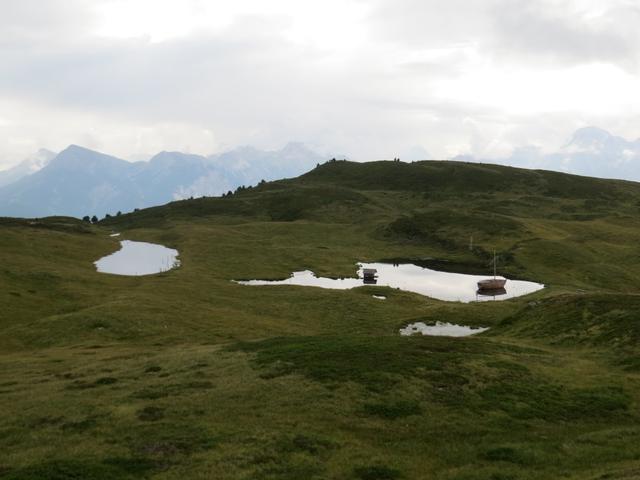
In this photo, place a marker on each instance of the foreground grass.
(469, 409)
(186, 374)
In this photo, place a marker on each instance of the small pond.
(411, 278)
(138, 258)
(441, 329)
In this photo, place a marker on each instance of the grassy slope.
(185, 374)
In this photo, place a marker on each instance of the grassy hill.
(185, 374)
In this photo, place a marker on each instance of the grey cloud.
(27, 22)
(129, 74)
(520, 30)
(430, 23)
(534, 29)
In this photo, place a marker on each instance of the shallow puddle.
(441, 329)
(411, 278)
(138, 258)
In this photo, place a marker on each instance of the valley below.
(187, 374)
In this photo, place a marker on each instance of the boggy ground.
(185, 374)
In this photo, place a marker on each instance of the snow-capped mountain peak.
(28, 166)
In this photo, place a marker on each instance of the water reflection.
(138, 258)
(441, 329)
(411, 278)
(484, 294)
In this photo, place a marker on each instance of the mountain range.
(79, 181)
(591, 151)
(28, 166)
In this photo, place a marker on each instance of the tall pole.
(494, 264)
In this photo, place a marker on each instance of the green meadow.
(186, 374)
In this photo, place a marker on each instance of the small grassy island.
(185, 374)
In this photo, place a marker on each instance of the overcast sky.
(371, 79)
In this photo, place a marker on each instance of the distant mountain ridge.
(591, 151)
(79, 181)
(28, 166)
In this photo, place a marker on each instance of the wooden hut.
(370, 275)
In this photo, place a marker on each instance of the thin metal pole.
(494, 264)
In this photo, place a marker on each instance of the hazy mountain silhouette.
(30, 165)
(79, 181)
(591, 151)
